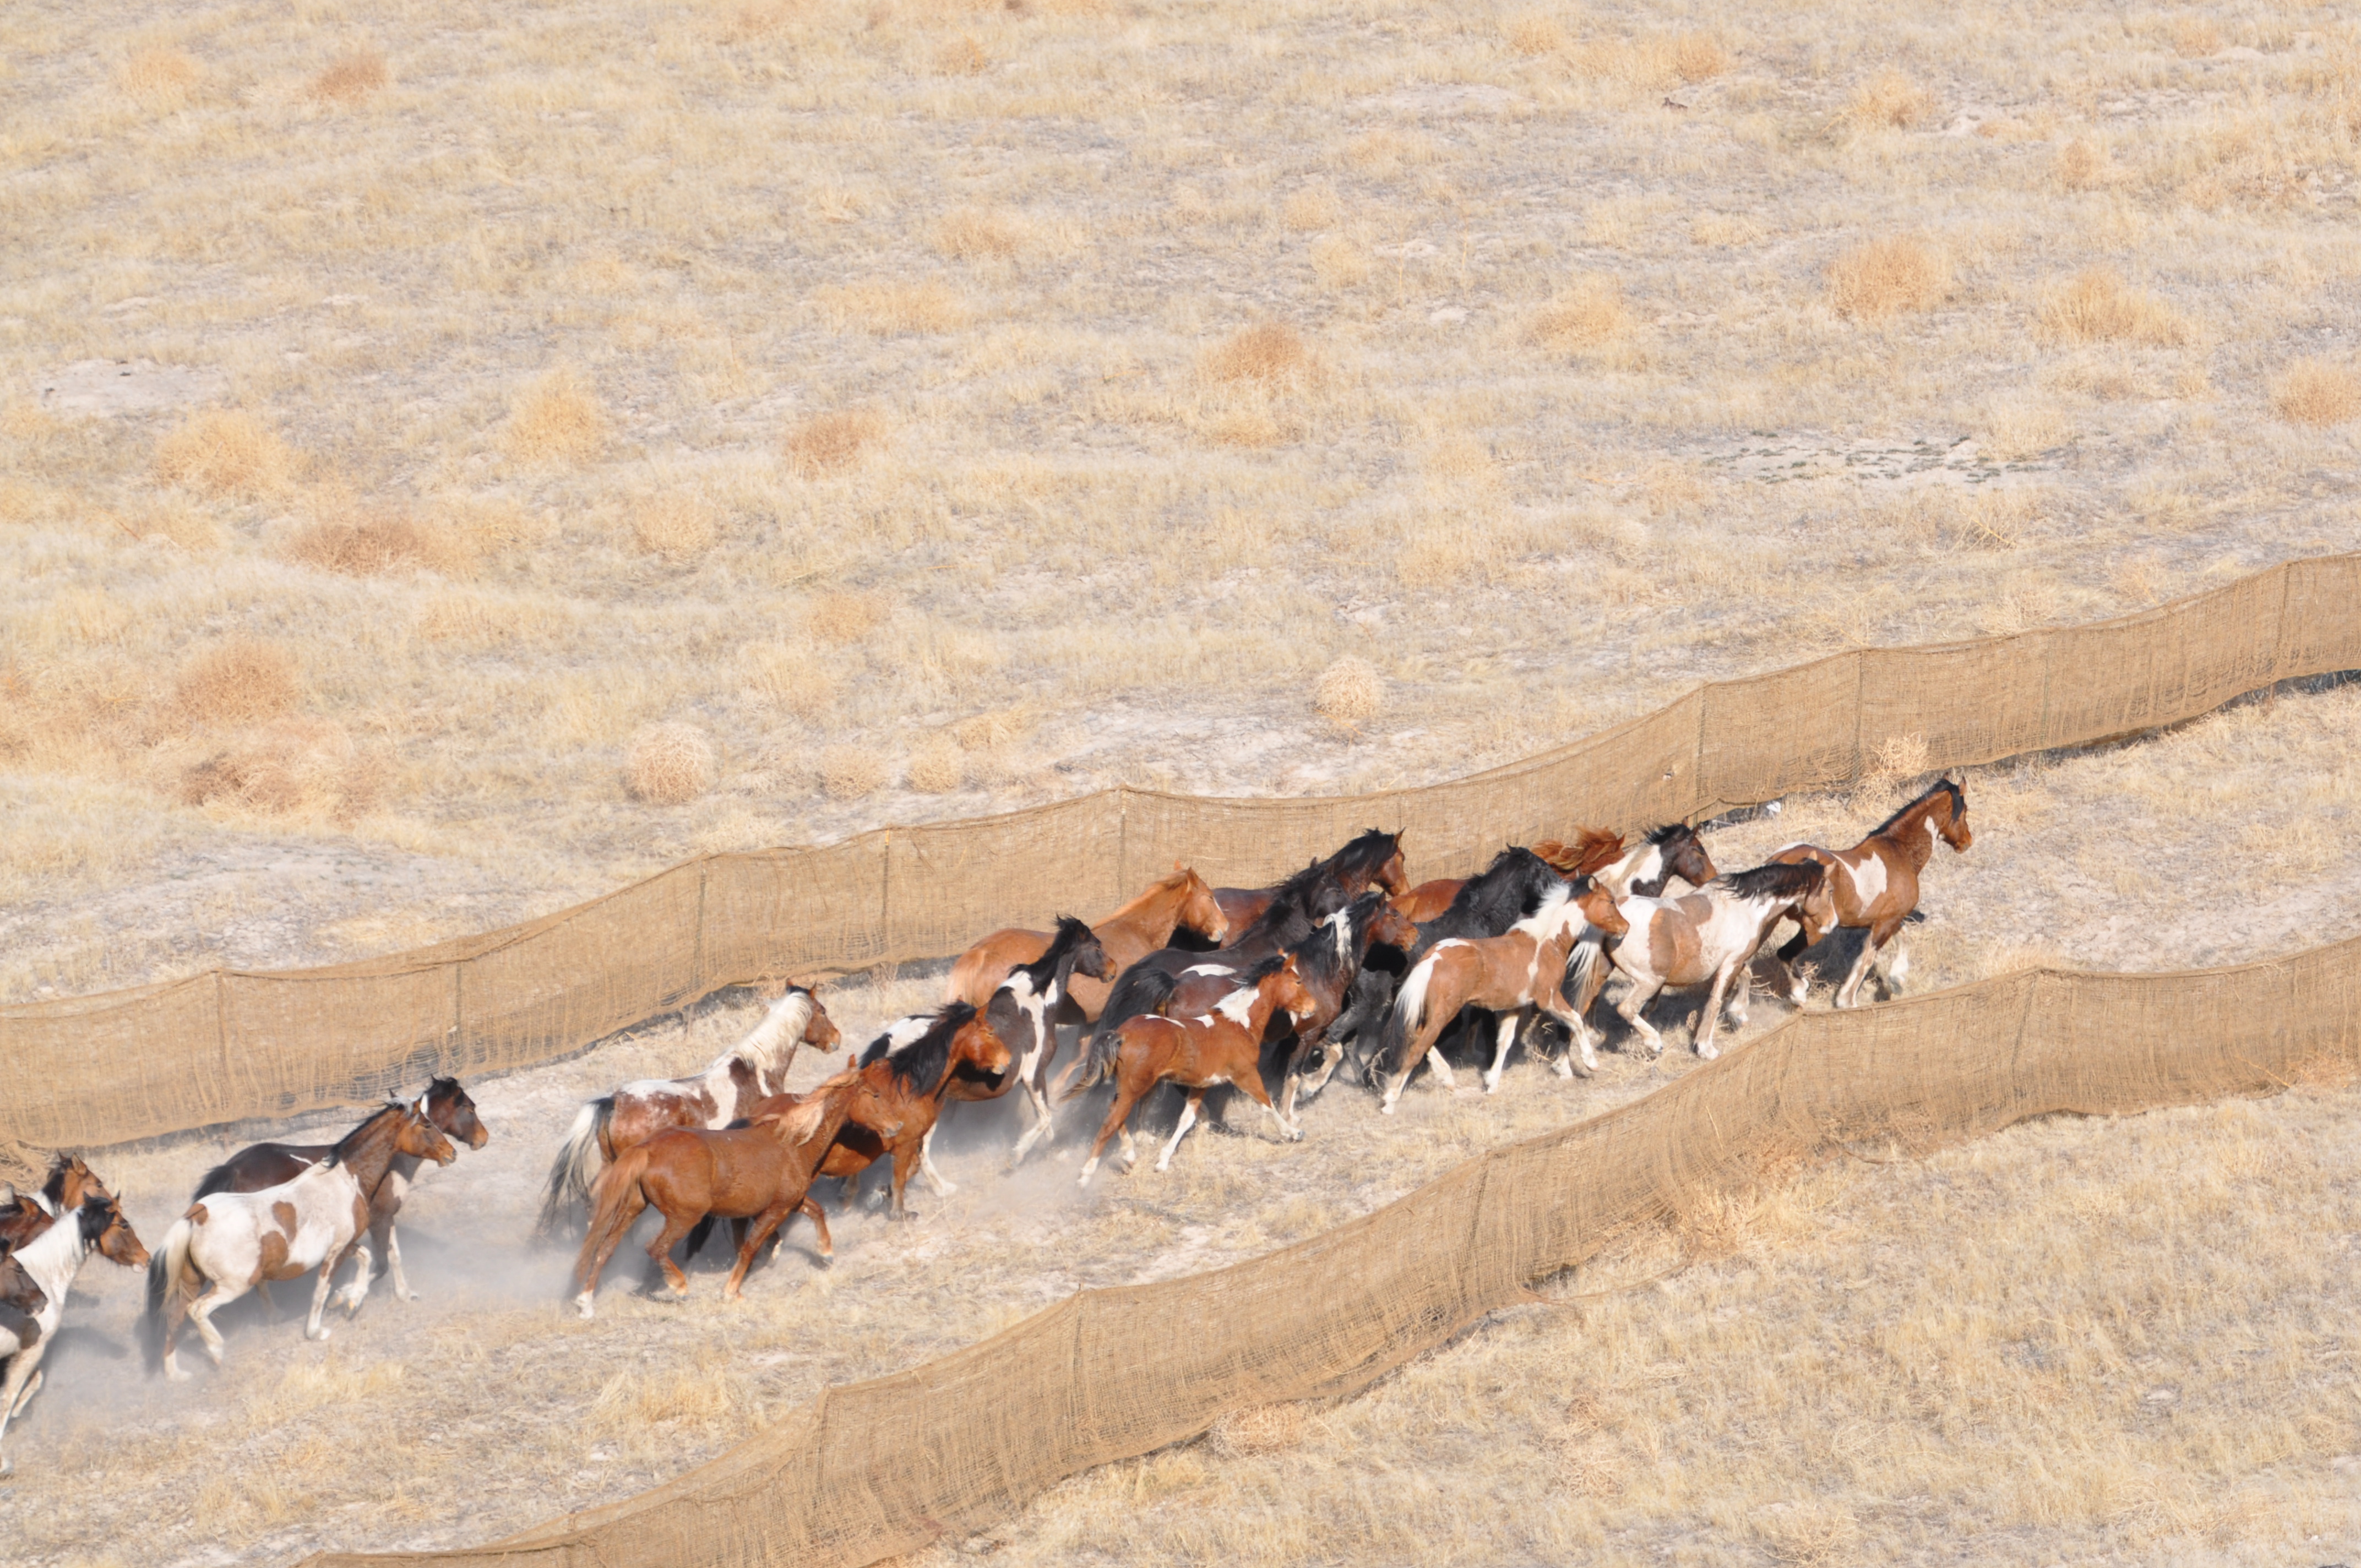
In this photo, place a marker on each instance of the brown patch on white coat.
(1707, 938)
(1875, 883)
(48, 1263)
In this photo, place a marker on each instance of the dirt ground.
(486, 1406)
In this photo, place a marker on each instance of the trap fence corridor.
(884, 1466)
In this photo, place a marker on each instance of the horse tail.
(608, 1197)
(577, 1163)
(164, 1267)
(1407, 1016)
(1140, 991)
(1582, 974)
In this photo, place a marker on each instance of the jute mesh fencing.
(885, 1466)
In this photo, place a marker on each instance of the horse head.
(1200, 910)
(447, 1105)
(1597, 906)
(1393, 927)
(1283, 987)
(978, 1047)
(1815, 909)
(1953, 821)
(870, 1106)
(1092, 958)
(1685, 857)
(105, 1227)
(820, 1031)
(1392, 873)
(416, 1136)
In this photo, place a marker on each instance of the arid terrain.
(455, 460)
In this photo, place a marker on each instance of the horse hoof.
(319, 1333)
(582, 1306)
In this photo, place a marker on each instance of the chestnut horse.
(234, 1241)
(1511, 974)
(1875, 883)
(912, 1065)
(1373, 858)
(70, 1184)
(1708, 937)
(49, 1263)
(754, 1067)
(251, 1169)
(1591, 850)
(1180, 900)
(1223, 1046)
(761, 1172)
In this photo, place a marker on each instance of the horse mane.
(1255, 973)
(1593, 849)
(799, 1123)
(1665, 834)
(53, 1186)
(1367, 850)
(1316, 954)
(1514, 869)
(920, 1065)
(343, 1145)
(1940, 786)
(1551, 906)
(785, 1020)
(1777, 880)
(1070, 934)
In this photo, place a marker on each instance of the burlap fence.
(885, 1466)
(230, 1044)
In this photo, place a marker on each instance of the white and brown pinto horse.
(44, 1270)
(231, 1242)
(753, 1069)
(1875, 883)
(1708, 937)
(1513, 974)
(1130, 934)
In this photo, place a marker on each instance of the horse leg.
(1117, 1115)
(22, 1381)
(1643, 991)
(631, 1205)
(1879, 934)
(660, 1251)
(1710, 1020)
(1504, 1034)
(355, 1291)
(751, 1241)
(1442, 1069)
(1741, 995)
(1037, 1101)
(907, 1160)
(326, 1287)
(402, 1290)
(927, 1163)
(811, 1210)
(1180, 1128)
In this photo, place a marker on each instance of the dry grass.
(1349, 692)
(669, 764)
(240, 681)
(1269, 355)
(225, 453)
(679, 524)
(351, 78)
(1586, 318)
(888, 308)
(830, 442)
(1892, 101)
(2095, 305)
(556, 419)
(159, 80)
(1886, 278)
(938, 766)
(375, 546)
(839, 617)
(291, 766)
(2316, 392)
(849, 773)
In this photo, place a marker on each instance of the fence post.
(696, 970)
(1860, 709)
(1122, 840)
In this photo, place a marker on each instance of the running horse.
(1707, 938)
(731, 1084)
(1648, 868)
(1223, 1046)
(44, 1270)
(1023, 1012)
(1180, 901)
(1524, 970)
(1875, 883)
(69, 1184)
(758, 1174)
(1591, 850)
(1374, 858)
(251, 1169)
(912, 1065)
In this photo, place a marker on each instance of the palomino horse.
(754, 1067)
(1875, 883)
(1511, 974)
(1374, 858)
(1292, 913)
(69, 1184)
(1708, 937)
(912, 1065)
(1181, 901)
(1023, 1012)
(1650, 866)
(1591, 849)
(234, 1241)
(251, 1169)
(760, 1173)
(49, 1263)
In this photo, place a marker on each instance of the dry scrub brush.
(242, 680)
(558, 419)
(669, 764)
(1886, 278)
(2317, 392)
(351, 78)
(374, 546)
(224, 453)
(831, 443)
(2096, 305)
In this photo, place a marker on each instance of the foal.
(1510, 975)
(49, 1262)
(251, 1169)
(1180, 900)
(1708, 937)
(732, 1081)
(1221, 1046)
(234, 1241)
(760, 1173)
(1875, 883)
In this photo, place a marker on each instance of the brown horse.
(760, 1173)
(912, 1065)
(1372, 858)
(1875, 883)
(69, 1184)
(1592, 850)
(444, 1103)
(1223, 1046)
(1130, 934)
(732, 1081)
(1513, 975)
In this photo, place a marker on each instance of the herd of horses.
(1264, 991)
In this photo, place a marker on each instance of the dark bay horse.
(251, 1169)
(1374, 858)
(1875, 883)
